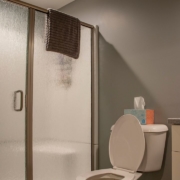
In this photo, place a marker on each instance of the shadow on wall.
(118, 87)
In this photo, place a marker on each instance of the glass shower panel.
(13, 45)
(61, 109)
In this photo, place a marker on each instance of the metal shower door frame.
(29, 90)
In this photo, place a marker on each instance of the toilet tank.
(155, 138)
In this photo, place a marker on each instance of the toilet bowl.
(133, 149)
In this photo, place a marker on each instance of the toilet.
(133, 149)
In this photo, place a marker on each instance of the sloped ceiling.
(55, 4)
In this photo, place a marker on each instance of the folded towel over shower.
(63, 34)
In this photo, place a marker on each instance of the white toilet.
(133, 149)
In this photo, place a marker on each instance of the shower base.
(52, 159)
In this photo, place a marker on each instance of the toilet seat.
(126, 150)
(126, 175)
(127, 144)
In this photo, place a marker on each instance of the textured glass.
(60, 160)
(61, 109)
(13, 45)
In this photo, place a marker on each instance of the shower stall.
(48, 101)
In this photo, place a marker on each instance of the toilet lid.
(127, 143)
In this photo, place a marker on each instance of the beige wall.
(139, 55)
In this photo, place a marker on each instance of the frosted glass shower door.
(61, 109)
(13, 45)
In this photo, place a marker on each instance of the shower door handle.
(21, 100)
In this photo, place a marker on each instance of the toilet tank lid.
(154, 128)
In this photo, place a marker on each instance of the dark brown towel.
(63, 34)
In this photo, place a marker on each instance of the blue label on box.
(138, 113)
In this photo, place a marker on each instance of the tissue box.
(145, 116)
